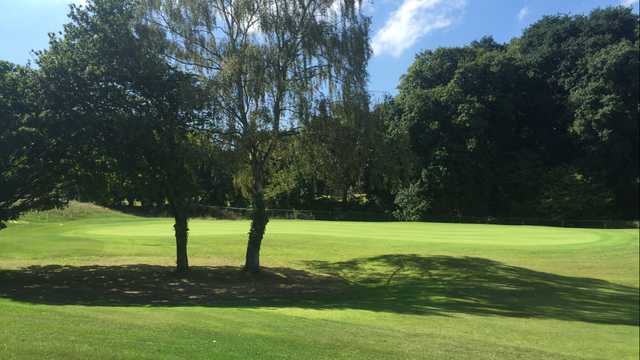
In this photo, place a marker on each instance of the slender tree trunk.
(259, 222)
(182, 230)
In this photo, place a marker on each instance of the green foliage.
(591, 67)
(31, 170)
(472, 127)
(335, 143)
(606, 119)
(136, 111)
(567, 193)
(135, 117)
(410, 203)
(484, 119)
(391, 162)
(194, 102)
(265, 64)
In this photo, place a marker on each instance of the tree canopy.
(266, 64)
(31, 168)
(136, 118)
(486, 120)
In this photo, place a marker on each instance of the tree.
(410, 203)
(606, 120)
(591, 66)
(393, 166)
(127, 111)
(267, 62)
(30, 168)
(473, 123)
(568, 194)
(312, 169)
(486, 121)
(324, 139)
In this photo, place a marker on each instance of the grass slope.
(87, 282)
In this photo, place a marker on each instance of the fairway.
(93, 283)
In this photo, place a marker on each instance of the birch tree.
(267, 63)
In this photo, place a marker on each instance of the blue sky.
(400, 28)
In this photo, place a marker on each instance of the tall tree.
(606, 120)
(591, 66)
(394, 164)
(267, 63)
(474, 121)
(324, 139)
(30, 164)
(127, 111)
(513, 129)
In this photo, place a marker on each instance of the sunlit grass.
(331, 290)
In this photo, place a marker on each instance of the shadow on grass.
(410, 284)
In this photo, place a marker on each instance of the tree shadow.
(417, 284)
(154, 285)
(409, 284)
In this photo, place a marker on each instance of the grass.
(87, 282)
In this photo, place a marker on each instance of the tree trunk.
(259, 221)
(182, 230)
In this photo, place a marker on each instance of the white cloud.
(413, 20)
(629, 2)
(523, 13)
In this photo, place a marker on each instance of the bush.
(410, 202)
(567, 193)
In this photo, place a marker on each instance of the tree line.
(173, 105)
(545, 125)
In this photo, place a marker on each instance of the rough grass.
(86, 282)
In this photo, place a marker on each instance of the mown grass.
(87, 282)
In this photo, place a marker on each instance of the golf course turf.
(91, 283)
